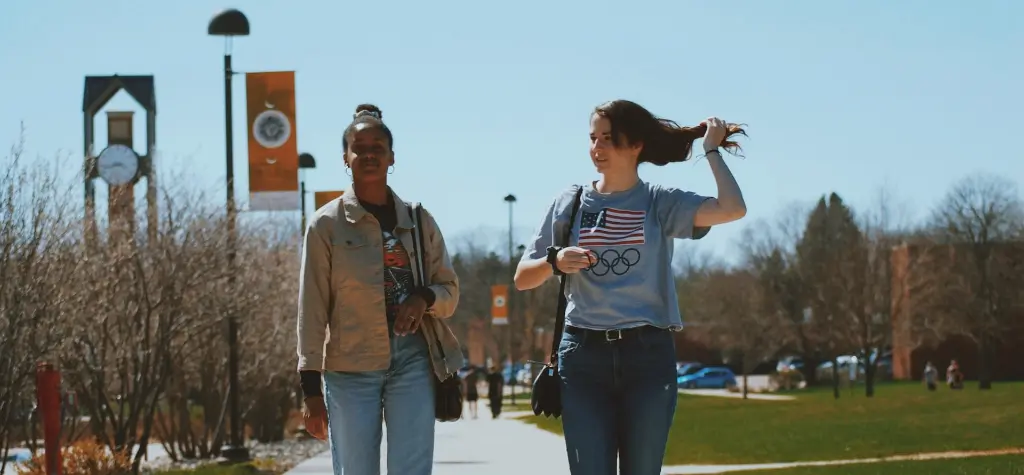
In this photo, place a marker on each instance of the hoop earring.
(348, 171)
(391, 169)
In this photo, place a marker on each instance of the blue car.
(710, 377)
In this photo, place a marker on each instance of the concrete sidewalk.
(500, 446)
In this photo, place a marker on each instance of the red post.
(48, 401)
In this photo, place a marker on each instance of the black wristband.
(311, 383)
(712, 151)
(428, 295)
(553, 259)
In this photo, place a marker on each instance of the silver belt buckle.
(612, 335)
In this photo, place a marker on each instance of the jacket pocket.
(359, 331)
(357, 263)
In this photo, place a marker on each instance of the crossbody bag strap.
(563, 280)
(416, 213)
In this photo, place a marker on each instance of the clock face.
(118, 164)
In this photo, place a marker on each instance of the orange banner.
(499, 305)
(320, 198)
(273, 153)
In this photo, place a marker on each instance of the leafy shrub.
(85, 457)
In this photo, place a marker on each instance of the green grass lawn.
(997, 465)
(902, 418)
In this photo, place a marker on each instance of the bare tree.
(192, 420)
(478, 270)
(537, 307)
(140, 312)
(691, 260)
(37, 262)
(780, 234)
(981, 218)
(267, 286)
(731, 314)
(885, 225)
(769, 251)
(134, 321)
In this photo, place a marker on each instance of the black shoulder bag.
(547, 388)
(447, 393)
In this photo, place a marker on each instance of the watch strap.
(553, 259)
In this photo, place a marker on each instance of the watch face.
(118, 164)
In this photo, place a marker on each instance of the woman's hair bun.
(368, 109)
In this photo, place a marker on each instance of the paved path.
(474, 446)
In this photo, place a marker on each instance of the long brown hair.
(663, 140)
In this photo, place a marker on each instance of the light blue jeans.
(401, 397)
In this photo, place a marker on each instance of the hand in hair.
(716, 132)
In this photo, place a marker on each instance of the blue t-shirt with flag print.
(632, 232)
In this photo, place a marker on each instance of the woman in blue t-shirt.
(616, 358)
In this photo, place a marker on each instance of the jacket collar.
(355, 211)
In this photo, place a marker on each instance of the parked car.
(709, 377)
(789, 363)
(883, 363)
(683, 369)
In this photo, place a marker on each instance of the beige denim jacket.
(341, 323)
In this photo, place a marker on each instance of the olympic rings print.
(614, 262)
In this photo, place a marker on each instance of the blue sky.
(491, 98)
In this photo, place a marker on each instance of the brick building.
(909, 357)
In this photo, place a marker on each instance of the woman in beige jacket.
(368, 337)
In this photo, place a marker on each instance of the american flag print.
(612, 227)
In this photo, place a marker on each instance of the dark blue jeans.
(618, 399)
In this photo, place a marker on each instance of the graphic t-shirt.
(632, 232)
(398, 278)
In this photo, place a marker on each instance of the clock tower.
(118, 165)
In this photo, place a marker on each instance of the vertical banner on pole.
(48, 401)
(273, 150)
(320, 198)
(499, 304)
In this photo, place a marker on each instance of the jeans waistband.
(613, 334)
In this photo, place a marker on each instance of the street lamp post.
(231, 23)
(306, 161)
(523, 306)
(511, 200)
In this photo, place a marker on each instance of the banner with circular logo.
(273, 150)
(499, 305)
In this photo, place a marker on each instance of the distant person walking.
(357, 282)
(495, 391)
(472, 392)
(616, 358)
(931, 376)
(954, 378)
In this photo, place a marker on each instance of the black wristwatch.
(553, 259)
